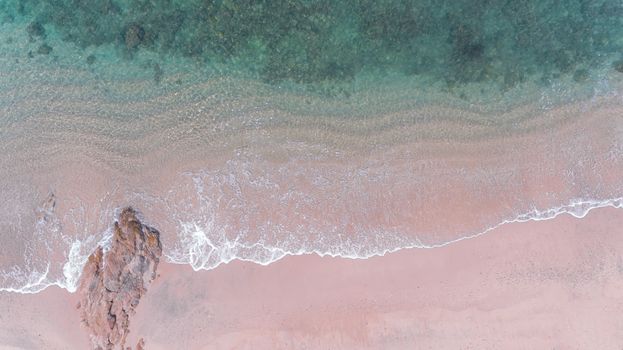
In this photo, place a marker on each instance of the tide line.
(578, 208)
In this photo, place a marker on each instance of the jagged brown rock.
(113, 281)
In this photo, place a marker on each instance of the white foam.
(204, 253)
(266, 254)
(36, 281)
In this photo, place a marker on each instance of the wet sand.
(536, 285)
(45, 320)
(231, 161)
(549, 284)
(323, 172)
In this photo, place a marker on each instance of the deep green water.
(319, 43)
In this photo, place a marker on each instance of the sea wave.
(198, 247)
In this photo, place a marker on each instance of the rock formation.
(114, 281)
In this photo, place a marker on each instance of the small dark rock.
(44, 49)
(134, 36)
(618, 66)
(36, 29)
(30, 54)
(580, 75)
(473, 50)
(90, 59)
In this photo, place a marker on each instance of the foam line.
(576, 208)
(227, 253)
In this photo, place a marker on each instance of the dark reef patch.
(581, 75)
(35, 29)
(315, 42)
(91, 59)
(133, 36)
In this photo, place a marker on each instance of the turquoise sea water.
(325, 45)
(257, 129)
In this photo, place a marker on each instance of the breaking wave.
(203, 249)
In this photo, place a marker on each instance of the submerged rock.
(581, 75)
(114, 281)
(91, 59)
(44, 49)
(134, 36)
(35, 29)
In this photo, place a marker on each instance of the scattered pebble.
(90, 59)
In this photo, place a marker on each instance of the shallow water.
(253, 131)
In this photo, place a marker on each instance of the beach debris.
(113, 281)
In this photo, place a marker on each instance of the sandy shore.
(539, 285)
(46, 320)
(235, 161)
(552, 284)
(241, 161)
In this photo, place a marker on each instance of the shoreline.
(381, 302)
(524, 277)
(319, 176)
(534, 216)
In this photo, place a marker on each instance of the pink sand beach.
(393, 219)
(552, 284)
